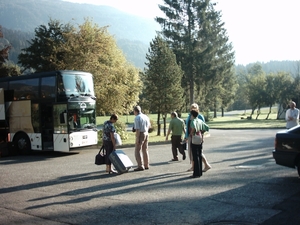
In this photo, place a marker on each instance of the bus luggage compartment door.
(61, 142)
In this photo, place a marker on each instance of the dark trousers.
(175, 141)
(108, 146)
(197, 157)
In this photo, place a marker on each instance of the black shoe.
(194, 176)
(139, 169)
(174, 159)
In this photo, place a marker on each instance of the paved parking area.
(244, 186)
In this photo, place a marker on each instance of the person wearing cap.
(141, 126)
(292, 116)
(177, 127)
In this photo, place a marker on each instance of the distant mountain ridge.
(129, 30)
(133, 34)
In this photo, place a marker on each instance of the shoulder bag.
(100, 157)
(197, 138)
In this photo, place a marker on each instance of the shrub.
(153, 126)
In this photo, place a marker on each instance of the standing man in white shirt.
(141, 126)
(292, 116)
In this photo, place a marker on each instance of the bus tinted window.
(48, 87)
(77, 85)
(4, 85)
(25, 89)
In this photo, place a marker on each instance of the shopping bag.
(117, 139)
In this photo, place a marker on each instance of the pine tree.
(162, 80)
(195, 32)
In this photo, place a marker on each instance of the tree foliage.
(197, 36)
(268, 89)
(90, 48)
(45, 51)
(162, 80)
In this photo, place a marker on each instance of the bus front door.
(47, 126)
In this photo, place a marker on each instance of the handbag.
(197, 139)
(117, 139)
(100, 157)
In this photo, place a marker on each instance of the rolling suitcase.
(121, 161)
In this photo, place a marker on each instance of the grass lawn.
(231, 120)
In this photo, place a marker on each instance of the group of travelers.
(195, 123)
(141, 127)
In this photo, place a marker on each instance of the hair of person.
(194, 113)
(294, 103)
(137, 109)
(114, 117)
(195, 106)
(174, 114)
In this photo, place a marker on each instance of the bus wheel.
(298, 168)
(22, 144)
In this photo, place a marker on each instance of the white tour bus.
(52, 111)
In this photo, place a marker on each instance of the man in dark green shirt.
(176, 126)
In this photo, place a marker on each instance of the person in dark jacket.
(109, 140)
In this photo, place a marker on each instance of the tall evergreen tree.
(195, 32)
(45, 52)
(162, 80)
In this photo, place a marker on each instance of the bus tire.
(298, 168)
(22, 144)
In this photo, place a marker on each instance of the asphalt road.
(244, 186)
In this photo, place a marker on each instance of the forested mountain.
(292, 67)
(133, 34)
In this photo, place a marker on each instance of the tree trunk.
(192, 99)
(165, 125)
(270, 108)
(258, 113)
(252, 112)
(215, 109)
(158, 124)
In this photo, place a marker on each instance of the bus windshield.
(81, 115)
(77, 85)
(79, 120)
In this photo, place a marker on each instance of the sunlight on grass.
(235, 121)
(231, 120)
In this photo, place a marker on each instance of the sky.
(259, 30)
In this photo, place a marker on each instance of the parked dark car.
(287, 148)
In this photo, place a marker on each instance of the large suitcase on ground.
(121, 161)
